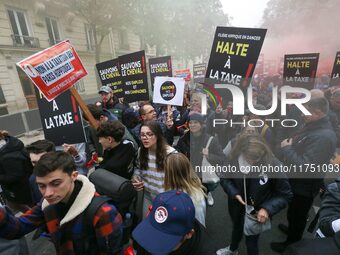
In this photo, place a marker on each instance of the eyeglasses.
(151, 111)
(146, 135)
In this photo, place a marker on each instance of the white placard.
(168, 90)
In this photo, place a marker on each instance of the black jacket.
(93, 144)
(283, 132)
(313, 144)
(330, 208)
(334, 118)
(193, 150)
(269, 191)
(120, 159)
(15, 170)
(318, 246)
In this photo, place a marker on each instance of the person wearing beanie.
(193, 143)
(197, 117)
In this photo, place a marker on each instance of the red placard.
(54, 69)
(186, 74)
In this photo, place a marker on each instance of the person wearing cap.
(106, 95)
(193, 143)
(171, 228)
(111, 102)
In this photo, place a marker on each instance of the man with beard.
(111, 102)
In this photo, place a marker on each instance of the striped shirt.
(152, 177)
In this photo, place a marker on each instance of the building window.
(79, 86)
(53, 30)
(21, 34)
(28, 89)
(89, 33)
(2, 97)
(26, 83)
(123, 39)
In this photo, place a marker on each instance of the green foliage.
(181, 28)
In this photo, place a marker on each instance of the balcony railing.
(25, 41)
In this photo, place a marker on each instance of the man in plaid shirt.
(66, 195)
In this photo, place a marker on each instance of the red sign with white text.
(186, 74)
(54, 69)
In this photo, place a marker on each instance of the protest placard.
(199, 72)
(109, 75)
(160, 67)
(168, 90)
(299, 70)
(234, 54)
(134, 76)
(61, 119)
(185, 74)
(335, 76)
(55, 69)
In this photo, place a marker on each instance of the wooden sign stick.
(88, 115)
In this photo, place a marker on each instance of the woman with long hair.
(149, 175)
(267, 192)
(179, 175)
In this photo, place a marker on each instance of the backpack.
(85, 243)
(115, 190)
(119, 189)
(88, 233)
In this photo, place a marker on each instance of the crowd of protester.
(161, 150)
